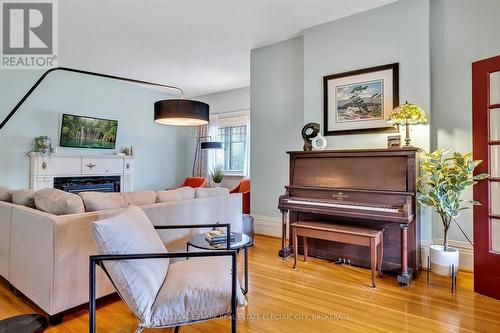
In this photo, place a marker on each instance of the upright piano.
(366, 187)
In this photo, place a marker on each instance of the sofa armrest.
(49, 255)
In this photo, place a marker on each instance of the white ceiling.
(202, 46)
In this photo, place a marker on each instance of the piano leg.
(404, 277)
(285, 250)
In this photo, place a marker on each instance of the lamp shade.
(181, 112)
(211, 145)
(407, 114)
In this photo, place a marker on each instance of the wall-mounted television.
(88, 132)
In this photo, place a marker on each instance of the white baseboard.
(466, 253)
(266, 225)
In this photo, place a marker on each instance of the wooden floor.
(317, 297)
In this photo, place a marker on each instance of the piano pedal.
(342, 261)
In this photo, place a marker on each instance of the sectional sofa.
(45, 256)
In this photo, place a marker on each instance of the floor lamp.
(205, 145)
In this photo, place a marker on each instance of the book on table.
(217, 236)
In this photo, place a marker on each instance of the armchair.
(195, 182)
(162, 294)
(244, 188)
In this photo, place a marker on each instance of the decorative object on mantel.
(441, 186)
(217, 176)
(407, 114)
(309, 131)
(394, 141)
(177, 112)
(319, 142)
(41, 144)
(128, 151)
(360, 101)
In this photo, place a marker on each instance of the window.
(234, 145)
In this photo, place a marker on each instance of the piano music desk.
(341, 233)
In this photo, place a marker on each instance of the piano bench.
(371, 238)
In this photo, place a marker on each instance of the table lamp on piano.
(407, 114)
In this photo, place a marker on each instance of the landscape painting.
(87, 132)
(360, 101)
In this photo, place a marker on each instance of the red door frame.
(486, 263)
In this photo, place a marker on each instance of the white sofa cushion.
(139, 198)
(182, 193)
(54, 201)
(5, 194)
(195, 289)
(137, 281)
(211, 192)
(24, 198)
(95, 201)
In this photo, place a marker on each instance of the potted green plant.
(217, 176)
(441, 186)
(41, 144)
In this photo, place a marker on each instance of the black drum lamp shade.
(211, 145)
(181, 112)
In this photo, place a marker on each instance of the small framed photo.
(394, 141)
(360, 101)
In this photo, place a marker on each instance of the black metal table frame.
(98, 260)
(244, 290)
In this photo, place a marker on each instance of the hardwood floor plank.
(317, 297)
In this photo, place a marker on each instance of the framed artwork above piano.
(360, 101)
(373, 188)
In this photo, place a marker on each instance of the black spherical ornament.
(309, 131)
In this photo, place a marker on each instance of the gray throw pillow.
(58, 202)
(95, 201)
(183, 193)
(24, 198)
(5, 194)
(137, 281)
(140, 198)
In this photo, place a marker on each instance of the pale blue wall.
(276, 98)
(287, 91)
(462, 31)
(376, 37)
(380, 36)
(160, 151)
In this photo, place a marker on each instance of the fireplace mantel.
(45, 167)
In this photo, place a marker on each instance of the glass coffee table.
(241, 242)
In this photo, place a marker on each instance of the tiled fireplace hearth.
(76, 173)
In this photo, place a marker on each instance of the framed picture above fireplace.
(360, 101)
(88, 132)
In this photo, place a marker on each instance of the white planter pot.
(442, 262)
(217, 184)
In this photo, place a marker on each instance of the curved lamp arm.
(79, 71)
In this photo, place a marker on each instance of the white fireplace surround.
(45, 167)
